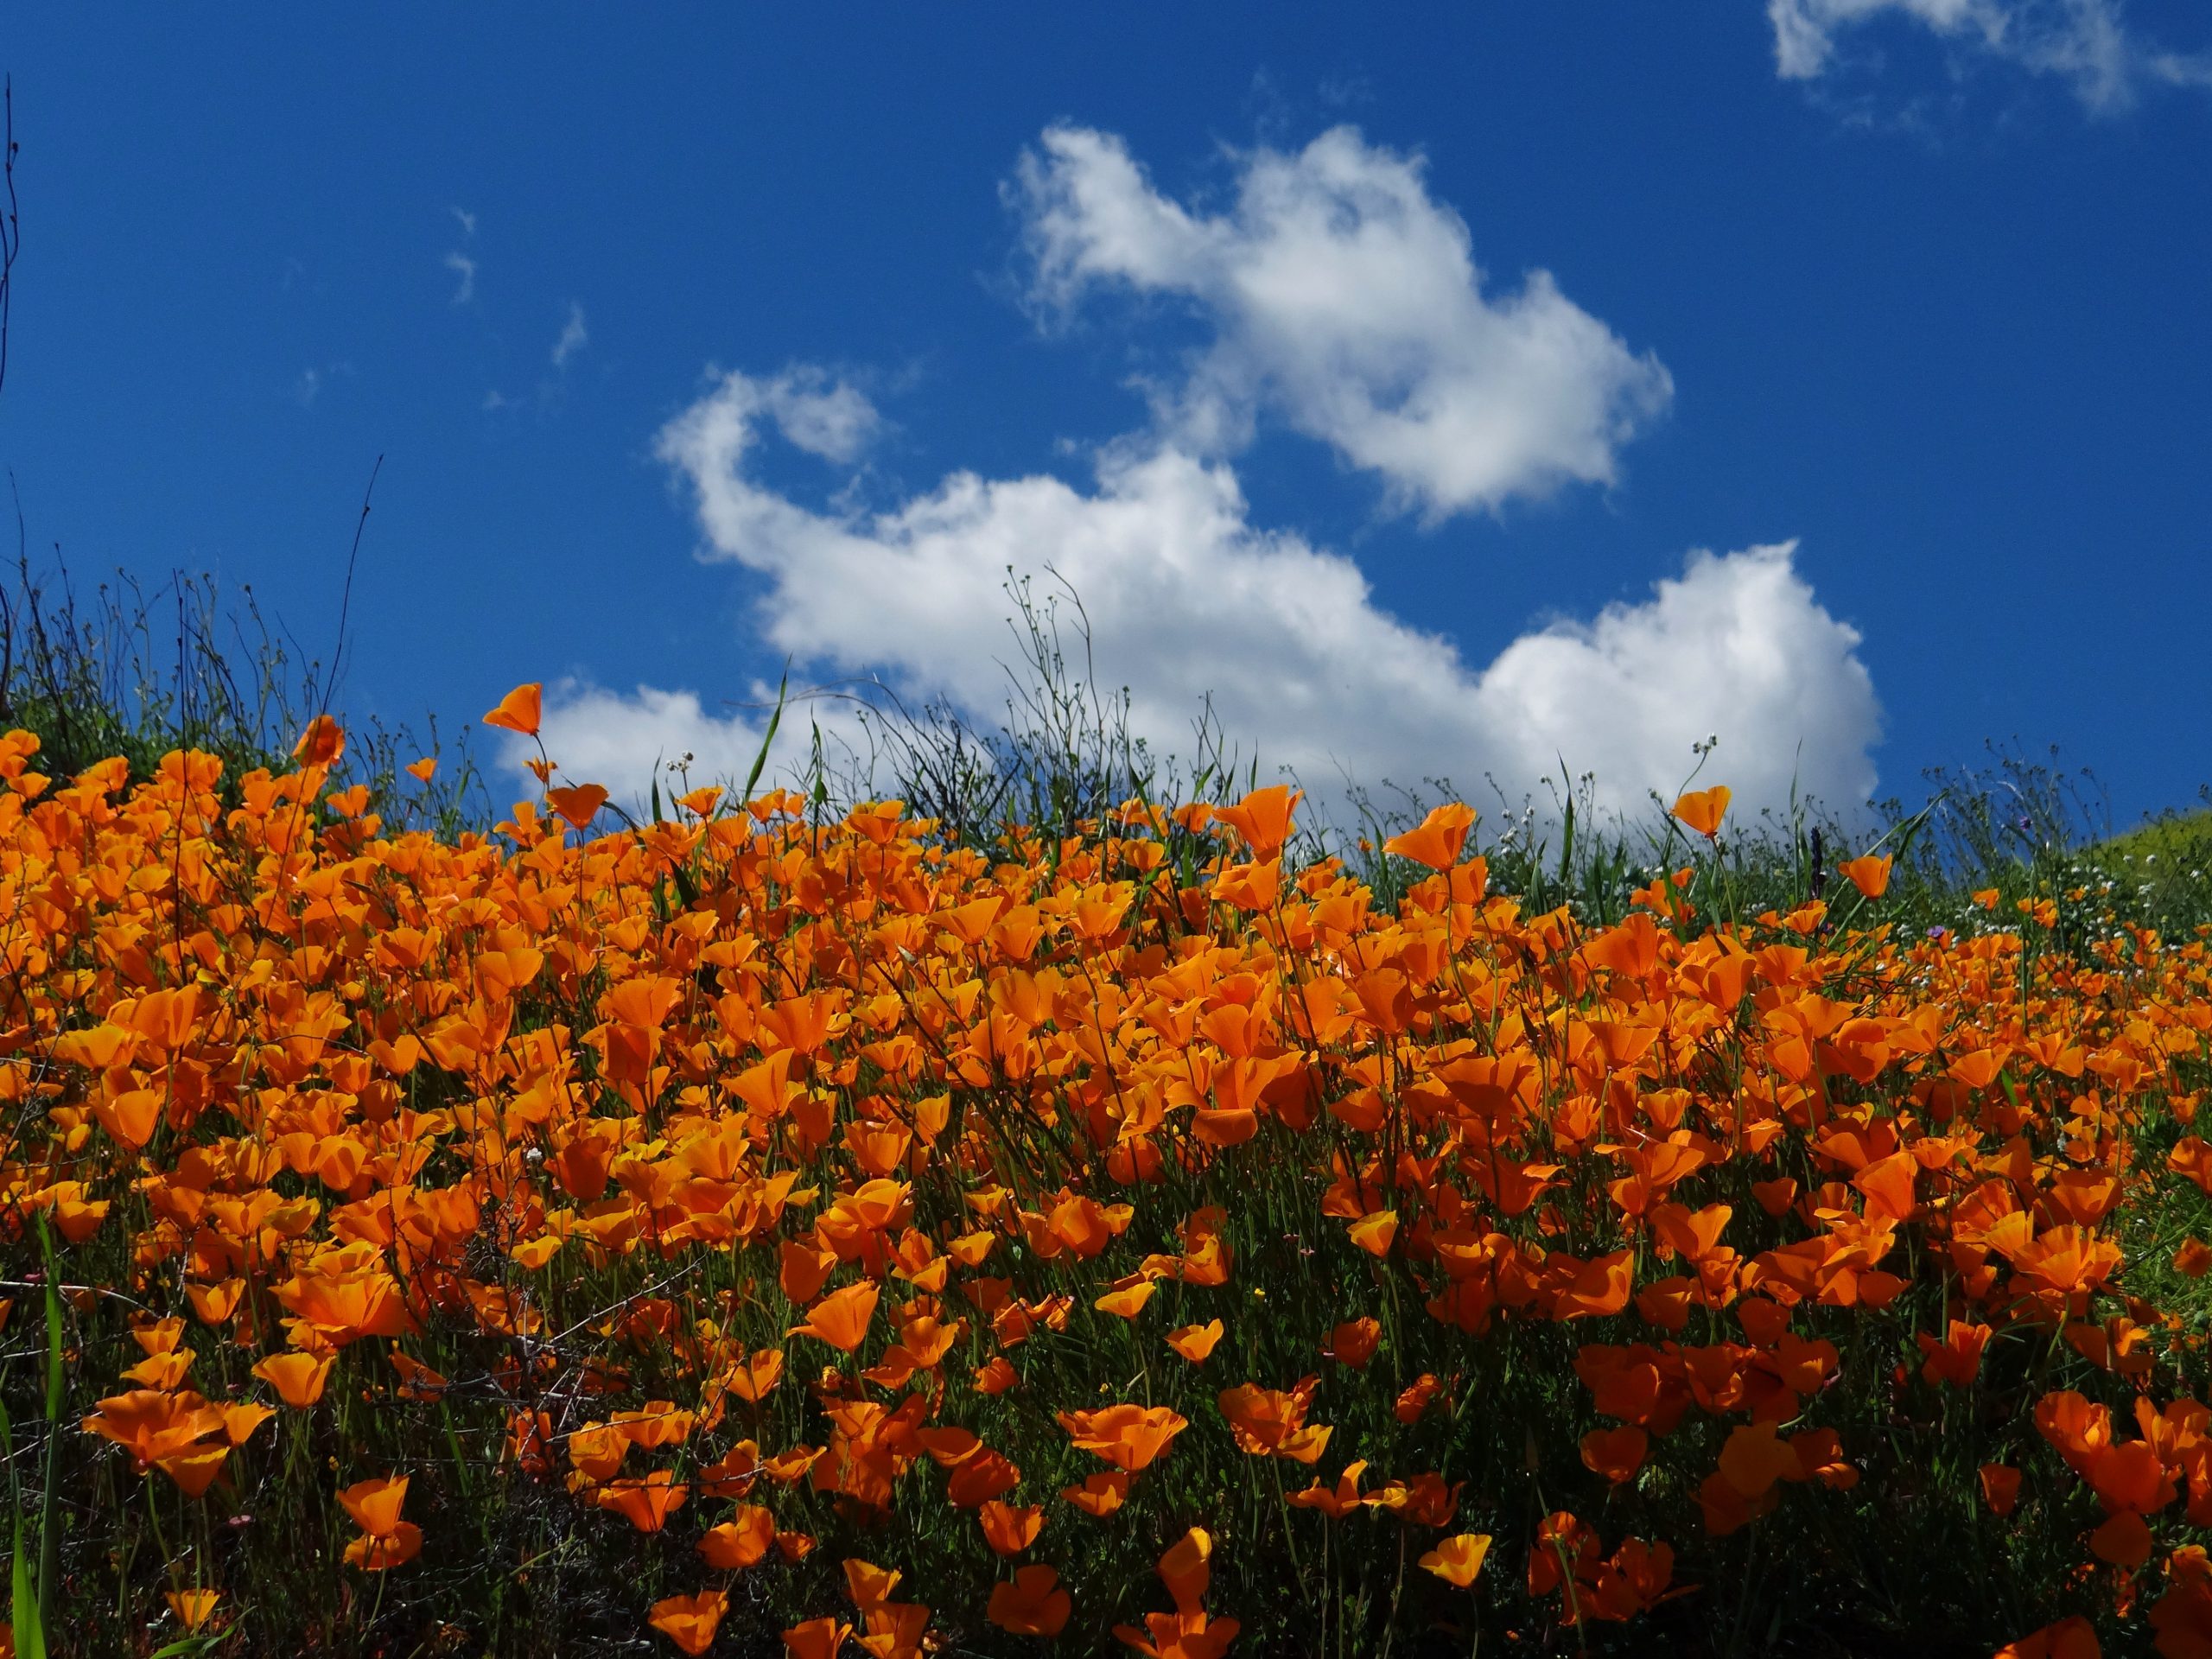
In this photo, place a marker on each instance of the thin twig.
(346, 597)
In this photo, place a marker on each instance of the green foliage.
(137, 673)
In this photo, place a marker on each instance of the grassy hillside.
(796, 1225)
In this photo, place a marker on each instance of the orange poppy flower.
(1250, 887)
(1436, 840)
(928, 1340)
(375, 1504)
(1703, 809)
(802, 1269)
(1187, 1568)
(1775, 1196)
(1031, 1603)
(1373, 1233)
(1615, 1454)
(896, 1629)
(1338, 1501)
(151, 1424)
(2124, 1539)
(790, 1466)
(1414, 1399)
(755, 1379)
(321, 744)
(1129, 1301)
(297, 1378)
(948, 1445)
(130, 1116)
(2000, 1488)
(345, 1294)
(240, 1421)
(1354, 1342)
(193, 1608)
(690, 1621)
(645, 1501)
(1600, 1288)
(975, 1480)
(1195, 1342)
(868, 1584)
(1180, 1636)
(1424, 1500)
(372, 1555)
(659, 1424)
(194, 1469)
(996, 1376)
(1100, 1494)
(740, 1541)
(842, 1318)
(2076, 1639)
(1870, 875)
(1457, 1559)
(1010, 1528)
(971, 1249)
(1270, 1422)
(578, 804)
(519, 710)
(1957, 1359)
(215, 1304)
(818, 1638)
(1565, 1548)
(534, 1252)
(1754, 1457)
(162, 1371)
(1263, 818)
(1128, 1436)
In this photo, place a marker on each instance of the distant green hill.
(2181, 837)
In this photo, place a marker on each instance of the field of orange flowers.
(748, 1233)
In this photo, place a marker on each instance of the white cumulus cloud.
(1189, 601)
(1342, 300)
(1345, 301)
(1736, 647)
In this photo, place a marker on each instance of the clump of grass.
(135, 673)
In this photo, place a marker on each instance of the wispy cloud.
(552, 385)
(2088, 44)
(462, 264)
(573, 337)
(313, 381)
(464, 268)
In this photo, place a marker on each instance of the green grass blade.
(761, 760)
(49, 1570)
(22, 1603)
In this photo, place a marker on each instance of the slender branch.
(346, 597)
(11, 238)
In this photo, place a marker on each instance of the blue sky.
(698, 342)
